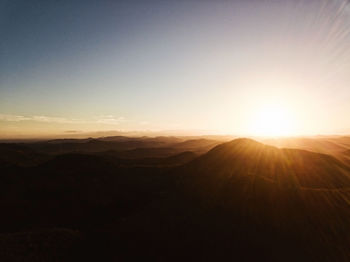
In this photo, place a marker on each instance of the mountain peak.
(246, 157)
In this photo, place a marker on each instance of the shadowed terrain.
(172, 199)
(332, 145)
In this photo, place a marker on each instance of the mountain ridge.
(244, 155)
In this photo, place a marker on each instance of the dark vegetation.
(170, 199)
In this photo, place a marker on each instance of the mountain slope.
(246, 158)
(299, 195)
(247, 201)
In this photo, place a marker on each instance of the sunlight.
(272, 120)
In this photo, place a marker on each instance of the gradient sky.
(173, 65)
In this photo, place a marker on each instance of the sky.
(227, 67)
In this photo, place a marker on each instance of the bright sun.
(272, 120)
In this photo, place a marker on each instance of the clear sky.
(225, 66)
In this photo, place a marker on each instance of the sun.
(272, 120)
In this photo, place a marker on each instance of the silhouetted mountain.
(93, 145)
(166, 140)
(127, 147)
(67, 140)
(297, 168)
(241, 200)
(286, 193)
(333, 145)
(198, 145)
(181, 158)
(90, 145)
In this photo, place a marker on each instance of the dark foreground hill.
(247, 201)
(241, 201)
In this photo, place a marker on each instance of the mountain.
(295, 167)
(240, 200)
(288, 194)
(332, 145)
(200, 145)
(176, 145)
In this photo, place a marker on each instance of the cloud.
(13, 118)
(106, 119)
(72, 131)
(46, 119)
(110, 119)
(60, 120)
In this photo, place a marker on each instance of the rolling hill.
(238, 200)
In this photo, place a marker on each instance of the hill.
(241, 200)
(295, 167)
(248, 201)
